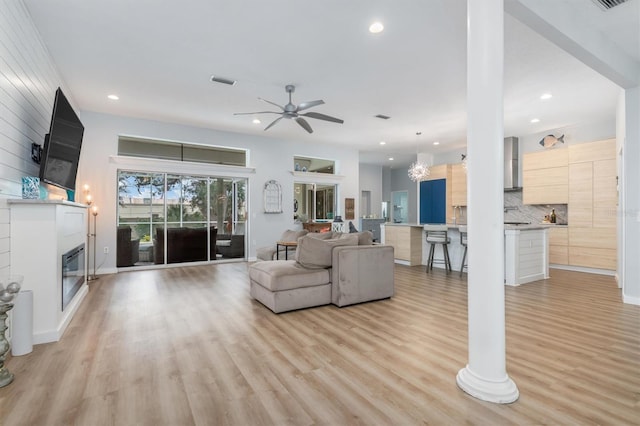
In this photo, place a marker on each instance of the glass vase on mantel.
(9, 288)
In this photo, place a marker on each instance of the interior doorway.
(365, 204)
(399, 206)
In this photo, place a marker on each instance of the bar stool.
(437, 234)
(463, 242)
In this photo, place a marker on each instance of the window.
(314, 165)
(163, 150)
(314, 201)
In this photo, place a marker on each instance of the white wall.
(271, 158)
(28, 80)
(399, 181)
(371, 180)
(630, 198)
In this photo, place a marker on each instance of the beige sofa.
(343, 269)
(270, 252)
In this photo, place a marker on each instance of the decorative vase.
(9, 288)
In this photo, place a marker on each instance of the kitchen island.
(526, 249)
(526, 253)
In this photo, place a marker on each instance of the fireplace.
(72, 273)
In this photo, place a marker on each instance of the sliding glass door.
(171, 218)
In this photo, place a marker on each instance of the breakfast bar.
(526, 249)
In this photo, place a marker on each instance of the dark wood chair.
(127, 250)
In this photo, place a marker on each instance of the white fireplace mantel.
(41, 232)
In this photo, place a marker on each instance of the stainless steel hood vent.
(511, 166)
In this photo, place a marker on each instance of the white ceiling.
(158, 57)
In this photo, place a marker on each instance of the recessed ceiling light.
(256, 121)
(436, 143)
(383, 143)
(546, 96)
(113, 97)
(390, 158)
(535, 120)
(376, 28)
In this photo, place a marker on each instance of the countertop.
(509, 227)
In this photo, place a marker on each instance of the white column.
(485, 375)
(631, 199)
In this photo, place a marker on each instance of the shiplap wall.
(28, 80)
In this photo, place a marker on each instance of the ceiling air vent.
(223, 80)
(608, 4)
(382, 117)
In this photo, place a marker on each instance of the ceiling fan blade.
(272, 103)
(257, 112)
(324, 117)
(274, 122)
(307, 105)
(303, 123)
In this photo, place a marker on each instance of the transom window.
(164, 150)
(314, 165)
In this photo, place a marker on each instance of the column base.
(500, 392)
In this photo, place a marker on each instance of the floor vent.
(608, 4)
(383, 117)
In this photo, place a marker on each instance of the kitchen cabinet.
(443, 171)
(458, 185)
(580, 212)
(592, 205)
(605, 193)
(559, 245)
(433, 201)
(406, 241)
(545, 177)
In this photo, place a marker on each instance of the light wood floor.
(188, 346)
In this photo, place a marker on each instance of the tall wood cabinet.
(592, 204)
(458, 185)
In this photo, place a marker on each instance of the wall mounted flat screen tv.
(62, 144)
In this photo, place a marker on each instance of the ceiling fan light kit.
(292, 111)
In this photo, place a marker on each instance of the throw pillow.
(313, 253)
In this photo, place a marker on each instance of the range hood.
(511, 165)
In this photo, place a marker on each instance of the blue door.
(433, 201)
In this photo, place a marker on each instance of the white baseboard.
(582, 269)
(631, 300)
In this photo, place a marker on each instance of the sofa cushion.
(292, 236)
(323, 235)
(279, 275)
(365, 238)
(315, 253)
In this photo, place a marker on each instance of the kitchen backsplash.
(515, 211)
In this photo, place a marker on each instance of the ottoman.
(284, 285)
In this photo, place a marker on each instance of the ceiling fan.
(293, 111)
